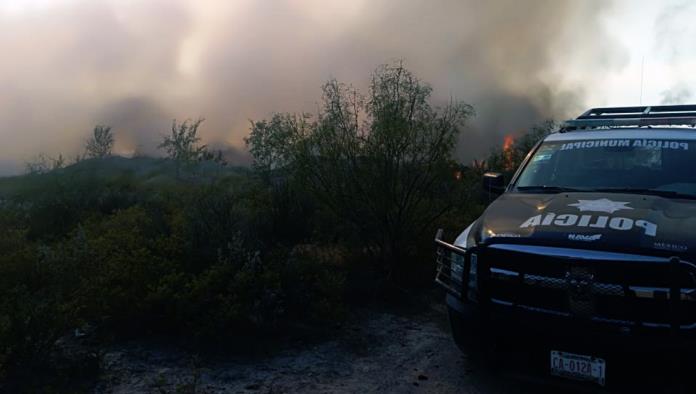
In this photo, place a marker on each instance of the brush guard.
(453, 267)
(678, 295)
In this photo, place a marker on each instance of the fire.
(508, 153)
(507, 142)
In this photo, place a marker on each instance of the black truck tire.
(472, 338)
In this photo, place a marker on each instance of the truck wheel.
(472, 338)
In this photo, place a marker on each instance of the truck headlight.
(457, 269)
(458, 265)
(472, 293)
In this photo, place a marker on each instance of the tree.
(58, 162)
(42, 164)
(100, 143)
(382, 164)
(38, 165)
(215, 156)
(182, 144)
(508, 159)
(271, 142)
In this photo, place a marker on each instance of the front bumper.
(638, 313)
(516, 327)
(523, 344)
(547, 290)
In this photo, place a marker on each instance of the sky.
(135, 65)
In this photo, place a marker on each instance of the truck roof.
(665, 133)
(655, 116)
(672, 122)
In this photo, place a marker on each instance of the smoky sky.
(137, 65)
(674, 32)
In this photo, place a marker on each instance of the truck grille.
(634, 290)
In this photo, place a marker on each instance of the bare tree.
(58, 162)
(42, 164)
(38, 165)
(100, 143)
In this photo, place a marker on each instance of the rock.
(111, 360)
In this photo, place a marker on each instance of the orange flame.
(507, 142)
(508, 156)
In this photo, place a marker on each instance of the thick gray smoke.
(136, 65)
(674, 32)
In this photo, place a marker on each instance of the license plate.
(577, 366)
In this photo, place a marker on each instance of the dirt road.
(376, 352)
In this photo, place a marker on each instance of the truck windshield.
(660, 167)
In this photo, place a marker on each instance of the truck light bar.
(660, 115)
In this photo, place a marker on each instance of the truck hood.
(628, 223)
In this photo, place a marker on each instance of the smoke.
(136, 65)
(674, 32)
(678, 94)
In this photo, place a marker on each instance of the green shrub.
(117, 259)
(32, 309)
(381, 164)
(190, 263)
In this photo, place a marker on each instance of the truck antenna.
(642, 64)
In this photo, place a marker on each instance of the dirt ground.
(377, 351)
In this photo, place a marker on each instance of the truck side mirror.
(493, 184)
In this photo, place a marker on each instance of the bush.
(187, 262)
(32, 312)
(208, 286)
(382, 165)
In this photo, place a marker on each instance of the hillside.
(144, 172)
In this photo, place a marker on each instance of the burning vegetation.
(509, 162)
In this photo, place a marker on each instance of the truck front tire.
(471, 337)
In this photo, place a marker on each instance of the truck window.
(665, 165)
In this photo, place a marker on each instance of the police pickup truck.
(583, 266)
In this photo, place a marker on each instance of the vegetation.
(509, 159)
(336, 203)
(100, 143)
(185, 260)
(382, 165)
(42, 164)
